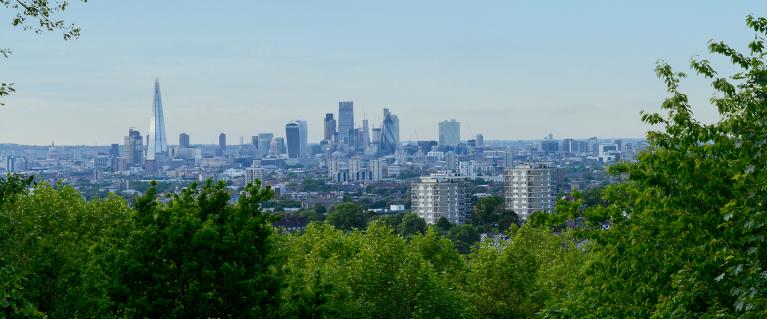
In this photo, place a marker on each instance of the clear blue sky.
(507, 69)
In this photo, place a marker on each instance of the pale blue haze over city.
(506, 69)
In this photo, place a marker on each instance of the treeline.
(682, 237)
(195, 254)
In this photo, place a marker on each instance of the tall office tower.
(134, 148)
(480, 140)
(449, 133)
(295, 135)
(114, 150)
(264, 143)
(278, 146)
(388, 142)
(183, 140)
(365, 134)
(530, 189)
(376, 136)
(330, 127)
(441, 195)
(157, 143)
(221, 149)
(304, 138)
(345, 121)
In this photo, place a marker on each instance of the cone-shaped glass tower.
(157, 144)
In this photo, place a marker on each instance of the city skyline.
(494, 75)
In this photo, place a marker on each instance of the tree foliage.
(687, 236)
(348, 216)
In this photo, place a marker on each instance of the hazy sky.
(507, 69)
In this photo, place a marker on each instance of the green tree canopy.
(348, 216)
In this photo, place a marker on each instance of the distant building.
(134, 148)
(550, 146)
(114, 150)
(479, 140)
(364, 141)
(183, 140)
(449, 133)
(530, 188)
(376, 167)
(330, 128)
(609, 153)
(441, 195)
(254, 173)
(10, 164)
(221, 149)
(296, 136)
(345, 121)
(157, 143)
(264, 143)
(450, 162)
(278, 146)
(389, 139)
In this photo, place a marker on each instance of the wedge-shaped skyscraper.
(157, 143)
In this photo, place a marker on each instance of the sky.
(506, 69)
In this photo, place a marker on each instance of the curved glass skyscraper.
(389, 139)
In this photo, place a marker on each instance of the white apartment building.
(530, 188)
(441, 195)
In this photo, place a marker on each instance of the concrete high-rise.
(530, 188)
(183, 140)
(449, 133)
(134, 148)
(441, 195)
(157, 143)
(345, 121)
(330, 127)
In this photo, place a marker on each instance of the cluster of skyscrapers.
(343, 133)
(352, 156)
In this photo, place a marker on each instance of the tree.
(464, 236)
(37, 16)
(194, 256)
(490, 214)
(372, 274)
(45, 238)
(411, 224)
(687, 235)
(443, 225)
(348, 216)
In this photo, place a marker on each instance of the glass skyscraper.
(296, 136)
(389, 139)
(156, 141)
(345, 120)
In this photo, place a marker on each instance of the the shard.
(157, 143)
